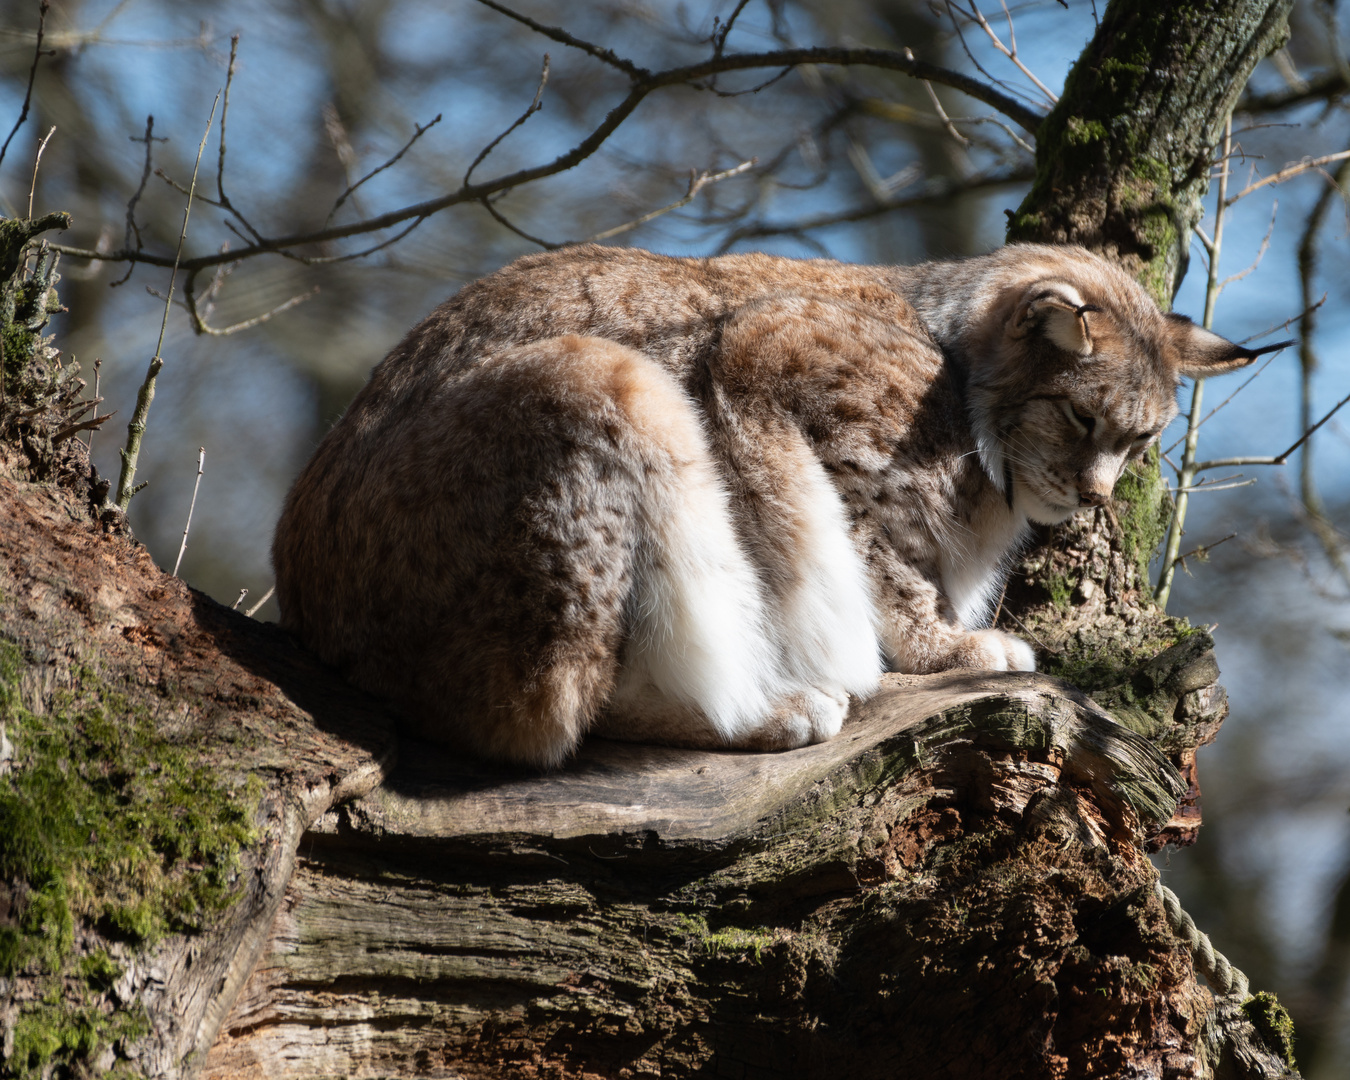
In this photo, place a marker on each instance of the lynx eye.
(1084, 422)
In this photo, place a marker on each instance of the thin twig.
(417, 134)
(560, 35)
(265, 597)
(1287, 172)
(1027, 630)
(32, 75)
(98, 374)
(697, 182)
(965, 46)
(200, 325)
(239, 600)
(1203, 550)
(132, 227)
(505, 222)
(1278, 459)
(1246, 383)
(90, 426)
(1260, 252)
(719, 38)
(535, 106)
(126, 486)
(942, 113)
(36, 162)
(201, 468)
(1186, 475)
(1216, 486)
(223, 199)
(978, 16)
(224, 116)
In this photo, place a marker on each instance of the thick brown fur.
(701, 501)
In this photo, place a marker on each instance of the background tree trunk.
(209, 868)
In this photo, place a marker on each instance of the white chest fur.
(975, 563)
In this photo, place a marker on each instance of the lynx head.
(1072, 372)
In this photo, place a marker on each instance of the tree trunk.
(208, 868)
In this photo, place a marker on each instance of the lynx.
(703, 502)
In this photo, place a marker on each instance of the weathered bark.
(851, 906)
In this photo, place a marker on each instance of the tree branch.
(644, 84)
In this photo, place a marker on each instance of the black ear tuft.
(1202, 353)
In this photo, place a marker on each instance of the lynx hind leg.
(541, 482)
(700, 665)
(824, 615)
(754, 651)
(628, 540)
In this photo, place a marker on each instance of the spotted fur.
(704, 501)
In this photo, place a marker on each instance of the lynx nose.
(1092, 498)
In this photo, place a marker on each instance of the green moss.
(1273, 1022)
(1142, 507)
(106, 824)
(99, 969)
(52, 1031)
(1080, 132)
(731, 940)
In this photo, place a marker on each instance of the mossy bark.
(1123, 161)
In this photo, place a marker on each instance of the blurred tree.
(852, 155)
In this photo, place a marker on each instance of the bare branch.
(224, 115)
(1011, 53)
(32, 75)
(1260, 252)
(132, 227)
(535, 106)
(720, 35)
(417, 134)
(937, 107)
(697, 182)
(507, 223)
(37, 161)
(201, 468)
(126, 486)
(1202, 550)
(224, 200)
(200, 325)
(471, 193)
(1287, 172)
(558, 34)
(1278, 459)
(265, 597)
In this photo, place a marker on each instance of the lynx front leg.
(920, 630)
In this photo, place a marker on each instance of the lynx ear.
(1057, 308)
(1203, 353)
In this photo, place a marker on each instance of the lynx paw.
(993, 650)
(808, 716)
